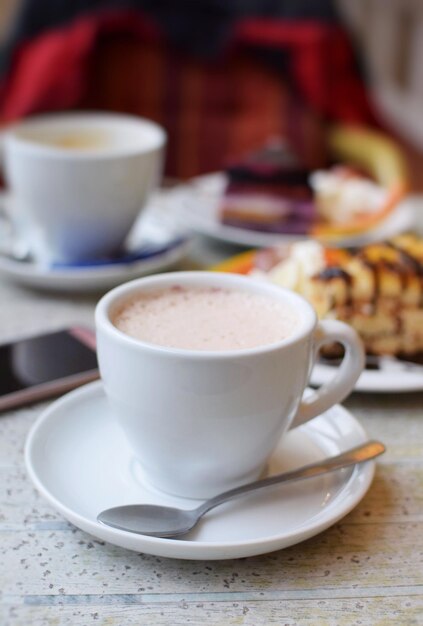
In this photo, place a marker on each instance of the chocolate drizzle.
(337, 273)
(330, 273)
(409, 260)
(414, 264)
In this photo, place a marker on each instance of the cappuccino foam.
(209, 318)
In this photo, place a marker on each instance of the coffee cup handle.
(330, 331)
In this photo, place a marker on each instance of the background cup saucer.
(155, 244)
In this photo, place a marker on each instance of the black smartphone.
(42, 366)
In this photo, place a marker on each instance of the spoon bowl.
(150, 519)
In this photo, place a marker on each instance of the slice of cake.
(377, 289)
(269, 191)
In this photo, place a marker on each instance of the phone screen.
(30, 362)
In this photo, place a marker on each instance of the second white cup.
(78, 181)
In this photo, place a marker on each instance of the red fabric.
(211, 109)
(49, 73)
(323, 65)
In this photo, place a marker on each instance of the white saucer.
(374, 381)
(197, 204)
(161, 242)
(80, 462)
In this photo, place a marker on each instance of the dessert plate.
(392, 380)
(155, 243)
(197, 204)
(79, 460)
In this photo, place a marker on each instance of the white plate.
(80, 462)
(374, 381)
(198, 202)
(154, 229)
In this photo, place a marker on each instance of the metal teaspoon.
(164, 521)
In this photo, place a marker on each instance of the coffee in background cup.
(203, 412)
(78, 181)
(75, 139)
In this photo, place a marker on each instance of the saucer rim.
(37, 270)
(92, 279)
(181, 548)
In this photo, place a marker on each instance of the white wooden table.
(365, 570)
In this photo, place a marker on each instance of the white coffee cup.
(201, 422)
(78, 181)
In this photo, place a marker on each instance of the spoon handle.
(361, 453)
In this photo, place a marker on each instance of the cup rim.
(11, 138)
(103, 322)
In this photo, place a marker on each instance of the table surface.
(366, 569)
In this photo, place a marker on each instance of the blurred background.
(222, 77)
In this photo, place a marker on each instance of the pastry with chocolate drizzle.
(377, 289)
